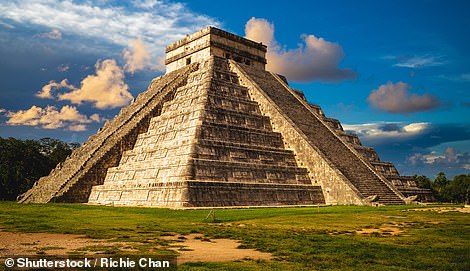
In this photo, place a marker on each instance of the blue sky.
(395, 72)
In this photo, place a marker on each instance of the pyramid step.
(238, 134)
(227, 141)
(318, 133)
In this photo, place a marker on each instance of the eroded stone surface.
(219, 130)
(211, 146)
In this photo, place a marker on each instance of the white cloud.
(395, 98)
(157, 23)
(449, 158)
(50, 117)
(387, 131)
(106, 89)
(137, 57)
(315, 59)
(63, 68)
(416, 61)
(96, 118)
(54, 34)
(6, 25)
(261, 30)
(46, 91)
(416, 128)
(77, 128)
(146, 4)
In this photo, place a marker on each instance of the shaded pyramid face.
(219, 130)
(210, 146)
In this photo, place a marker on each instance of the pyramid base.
(184, 194)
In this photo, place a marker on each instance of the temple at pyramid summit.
(219, 130)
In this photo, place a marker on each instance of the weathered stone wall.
(162, 154)
(211, 41)
(197, 50)
(210, 146)
(404, 184)
(236, 142)
(204, 194)
(336, 188)
(344, 177)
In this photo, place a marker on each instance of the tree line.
(22, 162)
(455, 190)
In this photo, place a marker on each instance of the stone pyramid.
(219, 130)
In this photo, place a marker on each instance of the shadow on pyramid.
(219, 130)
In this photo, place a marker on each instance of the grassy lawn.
(308, 238)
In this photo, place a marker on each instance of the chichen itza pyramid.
(219, 130)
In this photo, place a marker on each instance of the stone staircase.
(236, 141)
(406, 185)
(210, 146)
(337, 151)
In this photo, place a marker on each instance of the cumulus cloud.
(137, 57)
(404, 143)
(158, 23)
(50, 117)
(407, 136)
(449, 158)
(54, 34)
(315, 59)
(46, 91)
(105, 89)
(388, 131)
(146, 4)
(395, 98)
(260, 30)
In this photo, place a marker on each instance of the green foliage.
(456, 190)
(459, 189)
(440, 185)
(423, 182)
(22, 162)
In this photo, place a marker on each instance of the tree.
(456, 190)
(22, 162)
(459, 189)
(55, 150)
(440, 187)
(423, 182)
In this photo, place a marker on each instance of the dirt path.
(385, 230)
(196, 248)
(191, 248)
(445, 209)
(18, 243)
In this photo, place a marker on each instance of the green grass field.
(308, 238)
